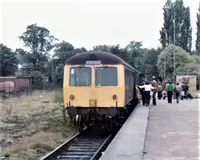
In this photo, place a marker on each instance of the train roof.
(98, 56)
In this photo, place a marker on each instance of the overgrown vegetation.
(59, 96)
(33, 125)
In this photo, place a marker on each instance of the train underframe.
(108, 118)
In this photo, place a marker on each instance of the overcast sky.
(86, 23)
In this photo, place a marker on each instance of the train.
(99, 87)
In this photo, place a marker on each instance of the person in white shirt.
(147, 89)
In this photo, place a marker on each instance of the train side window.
(126, 77)
(133, 78)
(132, 81)
(129, 77)
(80, 76)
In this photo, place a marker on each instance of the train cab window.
(80, 76)
(106, 76)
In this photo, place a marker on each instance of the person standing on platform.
(147, 89)
(177, 90)
(142, 92)
(185, 89)
(160, 89)
(155, 86)
(170, 89)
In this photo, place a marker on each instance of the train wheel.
(74, 120)
(81, 123)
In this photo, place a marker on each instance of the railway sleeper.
(79, 153)
(74, 156)
(82, 149)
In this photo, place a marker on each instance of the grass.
(27, 104)
(32, 125)
(35, 141)
(59, 96)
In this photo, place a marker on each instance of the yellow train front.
(99, 86)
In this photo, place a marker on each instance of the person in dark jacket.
(185, 89)
(142, 92)
(160, 89)
(170, 89)
(155, 86)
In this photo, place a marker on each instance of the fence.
(16, 86)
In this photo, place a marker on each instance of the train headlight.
(114, 97)
(71, 97)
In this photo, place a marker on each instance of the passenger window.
(131, 79)
(127, 77)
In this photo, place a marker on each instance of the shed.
(190, 78)
(15, 84)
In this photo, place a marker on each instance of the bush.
(59, 96)
(37, 79)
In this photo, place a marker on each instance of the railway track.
(86, 145)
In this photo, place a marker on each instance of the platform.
(128, 144)
(172, 133)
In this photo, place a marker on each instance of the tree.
(198, 32)
(114, 49)
(63, 51)
(79, 50)
(150, 61)
(136, 54)
(103, 48)
(59, 74)
(166, 32)
(166, 59)
(178, 16)
(39, 43)
(8, 61)
(193, 65)
(37, 79)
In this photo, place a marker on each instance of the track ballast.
(85, 145)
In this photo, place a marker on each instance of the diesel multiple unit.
(98, 86)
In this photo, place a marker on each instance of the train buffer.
(170, 132)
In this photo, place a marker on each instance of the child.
(164, 93)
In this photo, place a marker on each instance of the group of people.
(149, 89)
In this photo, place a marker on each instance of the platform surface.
(173, 131)
(162, 132)
(128, 144)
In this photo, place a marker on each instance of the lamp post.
(165, 57)
(174, 25)
(164, 67)
(52, 76)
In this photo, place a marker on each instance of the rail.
(52, 153)
(86, 145)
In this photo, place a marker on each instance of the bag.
(164, 93)
(190, 96)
